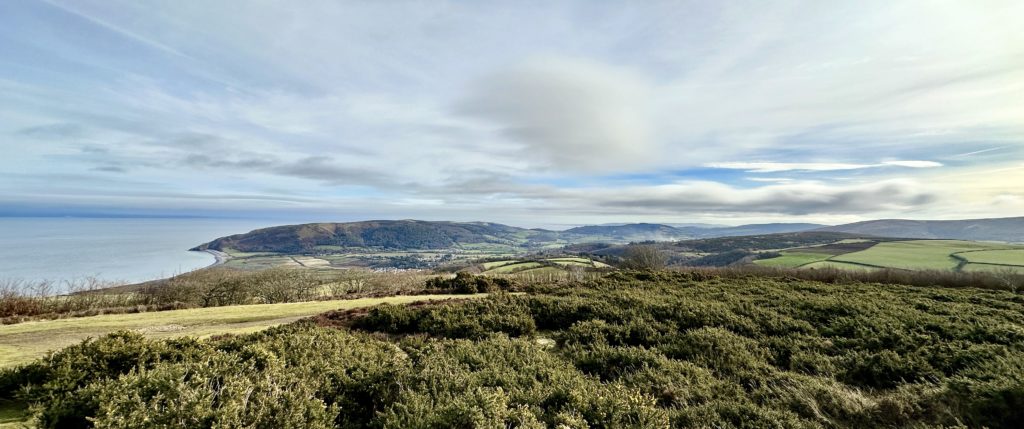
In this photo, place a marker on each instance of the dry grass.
(27, 341)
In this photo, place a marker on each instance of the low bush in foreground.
(633, 350)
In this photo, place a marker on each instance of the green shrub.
(467, 283)
(632, 349)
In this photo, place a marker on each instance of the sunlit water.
(128, 250)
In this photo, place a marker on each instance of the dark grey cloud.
(110, 169)
(194, 141)
(319, 168)
(241, 162)
(94, 150)
(325, 169)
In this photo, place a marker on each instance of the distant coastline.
(220, 258)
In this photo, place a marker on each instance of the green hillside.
(1000, 229)
(942, 255)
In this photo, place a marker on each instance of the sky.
(520, 112)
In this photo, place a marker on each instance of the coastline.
(219, 258)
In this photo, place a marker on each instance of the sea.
(122, 250)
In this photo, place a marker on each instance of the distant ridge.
(756, 229)
(426, 235)
(635, 231)
(999, 229)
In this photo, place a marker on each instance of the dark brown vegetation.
(1000, 281)
(20, 301)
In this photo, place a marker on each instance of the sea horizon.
(109, 249)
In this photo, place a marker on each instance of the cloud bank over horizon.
(529, 114)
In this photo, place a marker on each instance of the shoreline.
(219, 258)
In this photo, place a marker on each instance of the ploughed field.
(628, 350)
(941, 255)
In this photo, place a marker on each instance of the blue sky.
(528, 113)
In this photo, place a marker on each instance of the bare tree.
(1009, 278)
(644, 257)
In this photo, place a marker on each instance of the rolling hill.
(383, 234)
(752, 229)
(433, 235)
(633, 231)
(1001, 229)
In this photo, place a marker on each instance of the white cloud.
(796, 198)
(480, 105)
(571, 114)
(913, 164)
(775, 167)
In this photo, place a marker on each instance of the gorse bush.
(305, 376)
(748, 351)
(632, 350)
(464, 282)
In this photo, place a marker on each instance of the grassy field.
(838, 265)
(916, 254)
(942, 255)
(511, 268)
(583, 262)
(547, 266)
(997, 257)
(496, 264)
(23, 342)
(792, 259)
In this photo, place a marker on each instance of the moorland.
(626, 350)
(323, 326)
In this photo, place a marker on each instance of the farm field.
(914, 255)
(512, 268)
(793, 259)
(335, 257)
(996, 257)
(943, 255)
(583, 262)
(496, 264)
(826, 264)
(23, 342)
(545, 266)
